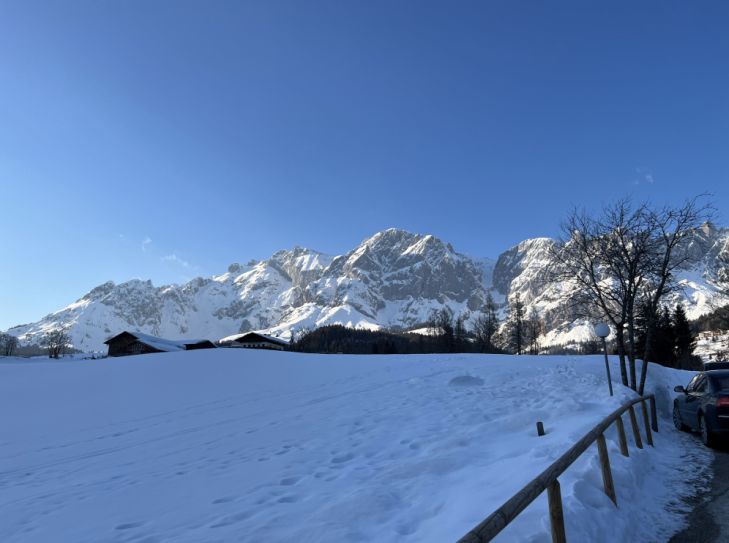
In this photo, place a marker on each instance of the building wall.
(258, 345)
(129, 346)
(196, 346)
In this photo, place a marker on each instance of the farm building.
(128, 343)
(254, 340)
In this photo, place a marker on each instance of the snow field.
(243, 445)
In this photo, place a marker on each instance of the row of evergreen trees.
(718, 319)
(336, 338)
(672, 345)
(519, 334)
(446, 333)
(673, 340)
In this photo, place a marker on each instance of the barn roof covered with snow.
(255, 339)
(139, 343)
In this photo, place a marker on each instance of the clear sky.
(167, 139)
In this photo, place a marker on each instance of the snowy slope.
(713, 346)
(393, 279)
(240, 445)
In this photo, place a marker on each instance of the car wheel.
(677, 422)
(706, 437)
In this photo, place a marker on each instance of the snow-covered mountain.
(393, 279)
(521, 271)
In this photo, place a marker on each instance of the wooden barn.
(254, 340)
(128, 343)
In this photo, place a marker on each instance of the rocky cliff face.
(393, 279)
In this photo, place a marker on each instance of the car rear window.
(721, 382)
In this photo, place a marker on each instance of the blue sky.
(167, 139)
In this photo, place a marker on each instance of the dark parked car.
(704, 405)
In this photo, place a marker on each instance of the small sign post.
(602, 331)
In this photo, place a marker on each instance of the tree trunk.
(643, 372)
(650, 326)
(631, 354)
(646, 353)
(620, 341)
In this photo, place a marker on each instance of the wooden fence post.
(636, 430)
(540, 428)
(607, 474)
(621, 436)
(654, 415)
(646, 423)
(556, 516)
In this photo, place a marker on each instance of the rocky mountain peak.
(529, 255)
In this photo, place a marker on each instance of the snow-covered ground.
(241, 445)
(713, 346)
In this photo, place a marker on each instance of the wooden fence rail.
(548, 479)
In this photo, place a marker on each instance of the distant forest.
(673, 343)
(716, 320)
(340, 339)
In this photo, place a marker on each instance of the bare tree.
(591, 346)
(432, 324)
(671, 228)
(486, 325)
(447, 330)
(723, 271)
(56, 341)
(599, 256)
(442, 328)
(294, 336)
(622, 259)
(533, 328)
(515, 324)
(8, 344)
(459, 333)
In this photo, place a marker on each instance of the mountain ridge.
(392, 279)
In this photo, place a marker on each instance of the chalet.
(254, 340)
(128, 343)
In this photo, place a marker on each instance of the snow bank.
(245, 445)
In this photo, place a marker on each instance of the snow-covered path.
(239, 445)
(709, 521)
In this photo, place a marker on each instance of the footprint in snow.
(342, 458)
(129, 525)
(232, 519)
(466, 381)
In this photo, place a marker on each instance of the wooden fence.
(548, 479)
